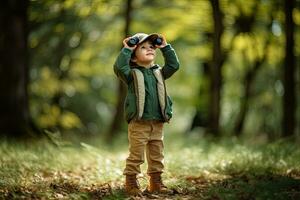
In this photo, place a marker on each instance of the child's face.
(144, 54)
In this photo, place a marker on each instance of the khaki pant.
(145, 135)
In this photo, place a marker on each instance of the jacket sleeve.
(121, 67)
(171, 61)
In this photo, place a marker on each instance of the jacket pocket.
(130, 106)
(169, 110)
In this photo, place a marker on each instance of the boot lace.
(158, 180)
(132, 182)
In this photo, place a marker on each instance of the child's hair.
(132, 63)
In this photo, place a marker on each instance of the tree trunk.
(289, 103)
(216, 77)
(248, 82)
(117, 122)
(201, 116)
(14, 112)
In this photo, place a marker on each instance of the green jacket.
(153, 106)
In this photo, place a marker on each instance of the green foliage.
(73, 48)
(70, 63)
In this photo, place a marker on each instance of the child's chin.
(150, 58)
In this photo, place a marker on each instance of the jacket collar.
(155, 66)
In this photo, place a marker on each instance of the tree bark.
(289, 97)
(216, 77)
(249, 79)
(117, 122)
(248, 82)
(14, 112)
(200, 118)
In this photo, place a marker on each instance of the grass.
(196, 168)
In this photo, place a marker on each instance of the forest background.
(239, 71)
(239, 65)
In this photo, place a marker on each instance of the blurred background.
(239, 74)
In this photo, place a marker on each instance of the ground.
(196, 168)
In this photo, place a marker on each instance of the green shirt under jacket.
(152, 110)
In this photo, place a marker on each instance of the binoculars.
(135, 40)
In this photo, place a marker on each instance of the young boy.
(147, 107)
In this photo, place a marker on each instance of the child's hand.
(164, 42)
(126, 45)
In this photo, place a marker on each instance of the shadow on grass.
(248, 186)
(62, 190)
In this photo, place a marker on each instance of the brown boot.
(156, 184)
(132, 186)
